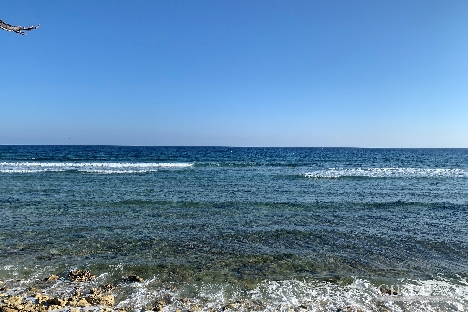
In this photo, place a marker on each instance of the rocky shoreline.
(83, 298)
(86, 296)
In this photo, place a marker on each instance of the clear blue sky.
(241, 73)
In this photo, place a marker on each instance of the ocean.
(238, 228)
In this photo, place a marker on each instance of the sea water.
(216, 228)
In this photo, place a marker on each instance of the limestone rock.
(80, 276)
(51, 278)
(99, 299)
(82, 303)
(54, 307)
(41, 298)
(13, 301)
(29, 307)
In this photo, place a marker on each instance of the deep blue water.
(238, 218)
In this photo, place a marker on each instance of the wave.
(334, 173)
(88, 167)
(267, 295)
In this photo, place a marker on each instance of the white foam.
(89, 167)
(387, 173)
(296, 295)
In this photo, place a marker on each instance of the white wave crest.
(387, 173)
(89, 167)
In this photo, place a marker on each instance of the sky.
(387, 73)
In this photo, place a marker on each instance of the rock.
(73, 301)
(41, 298)
(74, 309)
(99, 299)
(80, 276)
(82, 303)
(13, 301)
(108, 287)
(350, 309)
(7, 309)
(158, 307)
(388, 291)
(58, 301)
(135, 278)
(51, 278)
(54, 307)
(29, 307)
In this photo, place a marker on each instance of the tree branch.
(16, 29)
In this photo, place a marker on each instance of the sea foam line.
(90, 167)
(387, 173)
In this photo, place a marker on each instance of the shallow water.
(257, 228)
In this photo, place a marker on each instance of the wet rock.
(388, 291)
(158, 307)
(108, 287)
(135, 278)
(99, 299)
(195, 308)
(41, 298)
(350, 309)
(58, 301)
(51, 278)
(73, 301)
(80, 276)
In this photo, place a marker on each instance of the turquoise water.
(317, 227)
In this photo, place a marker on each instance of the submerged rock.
(51, 278)
(80, 276)
(108, 287)
(135, 278)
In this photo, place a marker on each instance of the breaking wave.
(333, 173)
(88, 167)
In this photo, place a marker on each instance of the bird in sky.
(16, 29)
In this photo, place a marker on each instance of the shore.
(78, 292)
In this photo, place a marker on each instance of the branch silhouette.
(16, 29)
